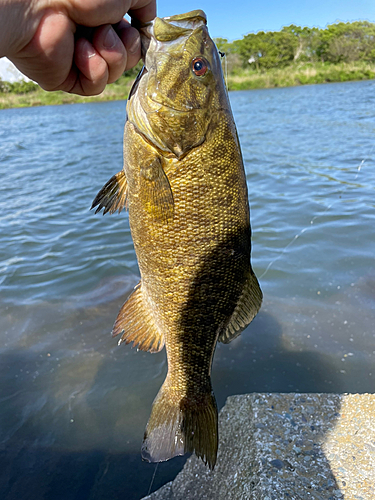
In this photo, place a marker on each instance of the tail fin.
(179, 426)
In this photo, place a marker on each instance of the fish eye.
(199, 66)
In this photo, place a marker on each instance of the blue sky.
(235, 18)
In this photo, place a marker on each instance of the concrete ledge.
(286, 446)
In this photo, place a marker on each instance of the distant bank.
(306, 74)
(25, 94)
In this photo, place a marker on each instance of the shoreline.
(308, 74)
(240, 79)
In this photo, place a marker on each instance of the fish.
(184, 185)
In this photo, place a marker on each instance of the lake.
(74, 405)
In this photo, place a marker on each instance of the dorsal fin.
(113, 195)
(247, 307)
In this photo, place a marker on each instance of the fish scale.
(189, 218)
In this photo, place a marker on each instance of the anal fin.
(136, 324)
(113, 195)
(246, 309)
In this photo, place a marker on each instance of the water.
(74, 405)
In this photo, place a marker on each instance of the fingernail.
(110, 39)
(90, 51)
(134, 46)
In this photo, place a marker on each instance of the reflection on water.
(74, 405)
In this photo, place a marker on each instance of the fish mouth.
(166, 29)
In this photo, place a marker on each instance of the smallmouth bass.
(184, 184)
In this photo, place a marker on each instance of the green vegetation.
(292, 56)
(337, 43)
(299, 56)
(33, 95)
(301, 74)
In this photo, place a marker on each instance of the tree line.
(337, 43)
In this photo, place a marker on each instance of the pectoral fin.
(156, 192)
(136, 324)
(246, 309)
(113, 195)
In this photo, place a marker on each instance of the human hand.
(77, 46)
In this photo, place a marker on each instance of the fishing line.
(225, 69)
(152, 480)
(316, 217)
(226, 72)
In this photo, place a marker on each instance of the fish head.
(181, 84)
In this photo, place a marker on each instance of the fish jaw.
(166, 27)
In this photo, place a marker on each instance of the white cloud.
(9, 73)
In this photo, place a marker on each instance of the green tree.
(340, 42)
(5, 87)
(223, 45)
(347, 42)
(232, 59)
(265, 50)
(307, 42)
(20, 87)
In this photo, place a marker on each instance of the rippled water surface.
(73, 404)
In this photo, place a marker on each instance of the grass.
(238, 79)
(300, 75)
(38, 97)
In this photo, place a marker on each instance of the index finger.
(143, 10)
(95, 13)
